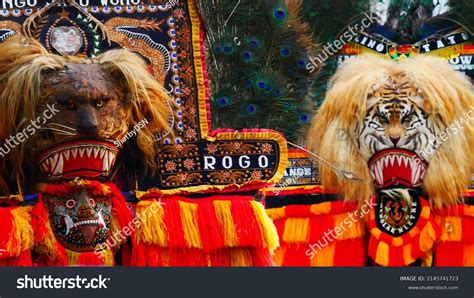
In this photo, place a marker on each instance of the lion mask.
(82, 105)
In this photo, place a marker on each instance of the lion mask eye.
(70, 104)
(100, 103)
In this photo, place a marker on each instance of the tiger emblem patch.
(397, 214)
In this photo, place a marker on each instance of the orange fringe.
(215, 231)
(304, 235)
(456, 247)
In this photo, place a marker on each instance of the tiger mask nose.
(395, 132)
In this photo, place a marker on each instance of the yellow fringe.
(398, 241)
(407, 258)
(73, 256)
(114, 227)
(240, 257)
(425, 212)
(468, 255)
(224, 216)
(325, 256)
(321, 209)
(296, 230)
(426, 241)
(356, 230)
(267, 228)
(279, 255)
(451, 228)
(22, 237)
(276, 213)
(382, 254)
(427, 260)
(376, 233)
(190, 224)
(469, 210)
(150, 226)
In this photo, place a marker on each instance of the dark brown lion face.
(87, 103)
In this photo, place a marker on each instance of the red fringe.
(318, 225)
(468, 229)
(89, 258)
(350, 252)
(119, 206)
(6, 222)
(261, 257)
(151, 255)
(39, 218)
(246, 226)
(209, 228)
(22, 260)
(295, 255)
(220, 258)
(174, 224)
(449, 254)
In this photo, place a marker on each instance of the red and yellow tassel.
(16, 236)
(214, 231)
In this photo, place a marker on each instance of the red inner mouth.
(397, 166)
(88, 232)
(81, 158)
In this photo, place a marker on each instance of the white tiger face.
(395, 119)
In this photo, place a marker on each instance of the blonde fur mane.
(22, 65)
(448, 95)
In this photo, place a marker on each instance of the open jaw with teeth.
(84, 229)
(89, 158)
(397, 166)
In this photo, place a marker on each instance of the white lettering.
(244, 161)
(263, 161)
(379, 48)
(227, 162)
(209, 162)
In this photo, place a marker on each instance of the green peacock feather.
(257, 56)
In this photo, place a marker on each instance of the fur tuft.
(448, 96)
(23, 62)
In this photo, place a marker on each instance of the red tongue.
(88, 232)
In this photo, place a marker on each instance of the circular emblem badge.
(397, 214)
(67, 40)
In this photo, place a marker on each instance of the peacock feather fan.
(328, 20)
(257, 56)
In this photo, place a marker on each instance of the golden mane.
(448, 95)
(22, 64)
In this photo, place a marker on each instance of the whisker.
(65, 134)
(73, 129)
(59, 131)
